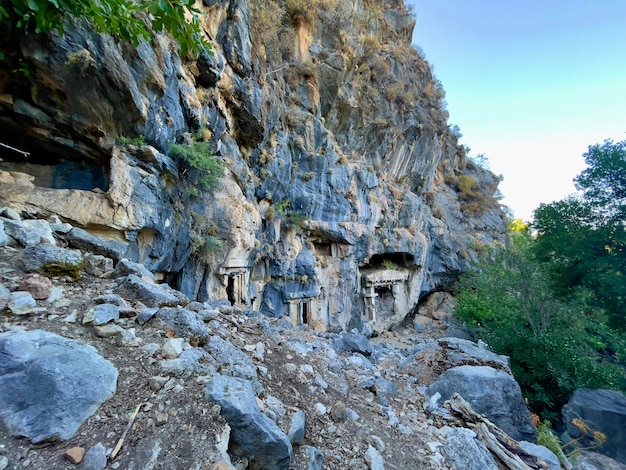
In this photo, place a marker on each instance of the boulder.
(87, 242)
(125, 267)
(600, 410)
(542, 453)
(430, 359)
(354, 342)
(233, 362)
(439, 305)
(260, 439)
(50, 384)
(297, 428)
(29, 232)
(95, 458)
(586, 460)
(190, 362)
(491, 392)
(51, 261)
(101, 314)
(462, 449)
(152, 295)
(183, 323)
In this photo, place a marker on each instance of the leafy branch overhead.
(125, 19)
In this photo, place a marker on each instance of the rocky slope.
(96, 356)
(346, 200)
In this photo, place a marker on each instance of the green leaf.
(33, 5)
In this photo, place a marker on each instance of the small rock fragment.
(21, 303)
(95, 458)
(38, 286)
(75, 454)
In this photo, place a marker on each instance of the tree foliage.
(604, 181)
(554, 345)
(584, 238)
(126, 19)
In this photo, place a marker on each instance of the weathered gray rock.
(462, 449)
(447, 353)
(297, 428)
(10, 213)
(87, 242)
(4, 238)
(491, 392)
(259, 437)
(101, 314)
(5, 295)
(95, 458)
(374, 459)
(145, 315)
(152, 295)
(172, 348)
(229, 360)
(314, 458)
(354, 342)
(184, 323)
(125, 267)
(190, 362)
(50, 384)
(21, 303)
(543, 453)
(110, 299)
(604, 411)
(97, 265)
(51, 261)
(29, 232)
(384, 386)
(587, 460)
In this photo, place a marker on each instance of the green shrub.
(210, 246)
(197, 161)
(137, 141)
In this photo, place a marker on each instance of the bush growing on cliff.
(125, 19)
(197, 161)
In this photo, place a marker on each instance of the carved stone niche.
(236, 280)
(384, 292)
(305, 306)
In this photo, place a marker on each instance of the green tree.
(125, 19)
(604, 181)
(508, 299)
(583, 238)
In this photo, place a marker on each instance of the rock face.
(600, 410)
(346, 199)
(61, 383)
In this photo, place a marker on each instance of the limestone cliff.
(346, 199)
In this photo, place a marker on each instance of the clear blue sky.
(531, 84)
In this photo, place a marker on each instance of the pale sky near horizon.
(530, 84)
